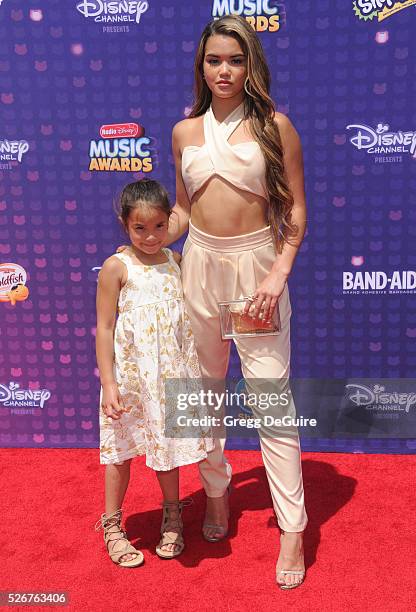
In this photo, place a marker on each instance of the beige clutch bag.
(235, 323)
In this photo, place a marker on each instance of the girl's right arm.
(179, 220)
(110, 281)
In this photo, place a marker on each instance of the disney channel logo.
(381, 140)
(369, 9)
(16, 397)
(112, 10)
(377, 398)
(13, 150)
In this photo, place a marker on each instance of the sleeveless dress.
(153, 341)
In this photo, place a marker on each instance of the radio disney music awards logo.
(385, 404)
(262, 15)
(12, 151)
(380, 9)
(22, 401)
(123, 147)
(123, 12)
(13, 283)
(381, 142)
(378, 282)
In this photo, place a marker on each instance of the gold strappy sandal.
(111, 536)
(171, 529)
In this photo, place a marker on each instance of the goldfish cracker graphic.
(18, 293)
(13, 283)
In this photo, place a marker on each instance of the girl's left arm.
(269, 291)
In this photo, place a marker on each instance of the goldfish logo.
(380, 9)
(123, 147)
(13, 283)
(262, 15)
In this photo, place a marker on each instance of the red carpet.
(360, 540)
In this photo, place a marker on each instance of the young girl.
(150, 342)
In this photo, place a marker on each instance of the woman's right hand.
(111, 401)
(121, 248)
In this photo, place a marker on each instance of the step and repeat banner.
(89, 93)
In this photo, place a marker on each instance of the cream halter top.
(240, 164)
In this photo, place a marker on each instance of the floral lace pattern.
(153, 342)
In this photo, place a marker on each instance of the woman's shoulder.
(185, 127)
(284, 123)
(187, 123)
(282, 120)
(287, 130)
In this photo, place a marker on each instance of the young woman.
(240, 192)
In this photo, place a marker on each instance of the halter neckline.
(237, 113)
(242, 166)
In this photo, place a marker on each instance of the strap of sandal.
(116, 555)
(108, 520)
(171, 537)
(188, 501)
(111, 537)
(296, 572)
(217, 527)
(171, 529)
(167, 521)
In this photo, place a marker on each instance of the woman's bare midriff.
(220, 209)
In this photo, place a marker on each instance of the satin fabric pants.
(216, 269)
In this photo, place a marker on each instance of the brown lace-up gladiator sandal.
(113, 532)
(171, 529)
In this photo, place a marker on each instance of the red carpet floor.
(360, 541)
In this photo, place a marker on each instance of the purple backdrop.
(89, 94)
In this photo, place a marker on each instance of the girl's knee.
(126, 463)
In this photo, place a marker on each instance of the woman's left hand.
(267, 294)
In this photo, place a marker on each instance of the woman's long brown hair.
(260, 110)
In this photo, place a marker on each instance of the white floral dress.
(153, 342)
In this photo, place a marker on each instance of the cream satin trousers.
(216, 269)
